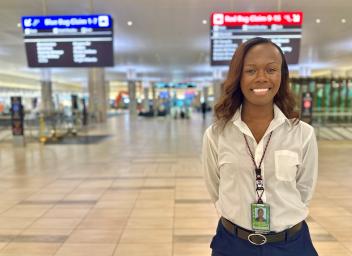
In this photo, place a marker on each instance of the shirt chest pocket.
(286, 165)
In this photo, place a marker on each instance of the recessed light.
(19, 25)
(343, 20)
(205, 22)
(317, 20)
(129, 23)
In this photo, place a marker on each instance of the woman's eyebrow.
(254, 65)
(274, 62)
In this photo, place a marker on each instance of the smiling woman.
(260, 161)
(274, 65)
(261, 76)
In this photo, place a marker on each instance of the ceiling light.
(317, 20)
(343, 20)
(129, 23)
(205, 22)
(19, 25)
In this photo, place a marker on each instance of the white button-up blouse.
(289, 170)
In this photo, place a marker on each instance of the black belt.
(260, 239)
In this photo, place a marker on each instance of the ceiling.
(168, 40)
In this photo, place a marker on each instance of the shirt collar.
(279, 118)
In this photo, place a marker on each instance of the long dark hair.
(231, 95)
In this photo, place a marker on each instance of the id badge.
(260, 217)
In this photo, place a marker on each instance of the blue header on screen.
(67, 21)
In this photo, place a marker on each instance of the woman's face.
(261, 74)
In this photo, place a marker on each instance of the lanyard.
(258, 172)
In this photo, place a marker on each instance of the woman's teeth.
(261, 91)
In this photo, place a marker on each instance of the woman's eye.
(271, 70)
(250, 71)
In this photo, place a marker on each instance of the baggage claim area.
(103, 107)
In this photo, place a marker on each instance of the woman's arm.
(308, 173)
(210, 165)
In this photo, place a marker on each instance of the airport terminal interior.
(103, 107)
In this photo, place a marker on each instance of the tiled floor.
(140, 192)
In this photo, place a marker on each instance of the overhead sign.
(69, 41)
(229, 30)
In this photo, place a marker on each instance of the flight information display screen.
(229, 30)
(69, 41)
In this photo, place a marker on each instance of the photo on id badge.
(261, 217)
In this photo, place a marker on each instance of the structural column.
(131, 82)
(206, 95)
(155, 100)
(146, 99)
(217, 87)
(47, 104)
(98, 99)
(107, 94)
(132, 96)
(197, 101)
(217, 84)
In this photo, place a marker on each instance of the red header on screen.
(256, 18)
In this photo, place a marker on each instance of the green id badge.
(260, 217)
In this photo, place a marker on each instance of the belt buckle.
(257, 239)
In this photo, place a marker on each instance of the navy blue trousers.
(227, 244)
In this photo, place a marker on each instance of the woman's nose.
(261, 75)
